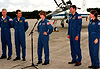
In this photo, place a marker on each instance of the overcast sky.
(31, 5)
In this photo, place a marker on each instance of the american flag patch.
(48, 23)
(93, 23)
(25, 20)
(79, 17)
(10, 19)
(98, 23)
(43, 23)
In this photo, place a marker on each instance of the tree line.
(35, 14)
(27, 15)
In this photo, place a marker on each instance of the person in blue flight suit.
(74, 29)
(94, 36)
(6, 24)
(44, 29)
(20, 25)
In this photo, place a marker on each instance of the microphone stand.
(31, 33)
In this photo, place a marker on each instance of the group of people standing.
(74, 29)
(20, 26)
(44, 27)
(74, 34)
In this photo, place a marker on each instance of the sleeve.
(26, 25)
(68, 28)
(50, 27)
(0, 22)
(11, 23)
(38, 27)
(98, 30)
(79, 24)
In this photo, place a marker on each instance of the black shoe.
(72, 62)
(78, 64)
(9, 58)
(17, 58)
(45, 63)
(24, 59)
(39, 62)
(96, 67)
(3, 57)
(90, 66)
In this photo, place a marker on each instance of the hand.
(45, 33)
(96, 41)
(76, 38)
(68, 36)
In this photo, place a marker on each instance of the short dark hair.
(94, 12)
(42, 13)
(74, 7)
(18, 11)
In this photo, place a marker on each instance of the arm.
(26, 25)
(79, 25)
(98, 30)
(11, 23)
(68, 28)
(38, 27)
(50, 27)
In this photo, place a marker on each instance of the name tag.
(20, 21)
(5, 20)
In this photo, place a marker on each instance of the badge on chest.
(43, 23)
(5, 20)
(20, 21)
(73, 18)
(93, 23)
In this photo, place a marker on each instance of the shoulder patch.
(79, 17)
(10, 19)
(25, 20)
(48, 23)
(98, 23)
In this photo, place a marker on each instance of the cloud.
(31, 5)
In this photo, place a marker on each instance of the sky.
(31, 5)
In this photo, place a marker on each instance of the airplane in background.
(63, 12)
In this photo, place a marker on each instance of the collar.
(44, 20)
(17, 19)
(4, 18)
(95, 20)
(74, 14)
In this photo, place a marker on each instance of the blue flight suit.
(5, 25)
(20, 26)
(74, 29)
(94, 32)
(43, 40)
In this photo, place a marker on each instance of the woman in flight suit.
(94, 35)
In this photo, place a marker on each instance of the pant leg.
(3, 43)
(77, 50)
(40, 48)
(45, 43)
(73, 54)
(91, 53)
(17, 44)
(8, 41)
(96, 54)
(23, 43)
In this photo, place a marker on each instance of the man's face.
(4, 13)
(72, 10)
(19, 14)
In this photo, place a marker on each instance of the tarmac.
(59, 44)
